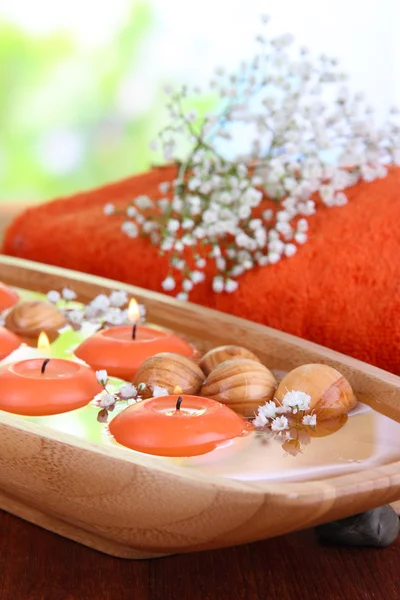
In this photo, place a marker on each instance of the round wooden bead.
(240, 383)
(169, 370)
(331, 394)
(216, 356)
(29, 318)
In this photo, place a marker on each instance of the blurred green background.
(81, 82)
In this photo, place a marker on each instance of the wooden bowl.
(134, 505)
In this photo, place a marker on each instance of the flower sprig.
(103, 310)
(301, 132)
(127, 392)
(290, 420)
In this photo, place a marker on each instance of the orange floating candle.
(8, 342)
(122, 350)
(176, 425)
(38, 387)
(7, 297)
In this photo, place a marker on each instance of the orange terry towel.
(341, 289)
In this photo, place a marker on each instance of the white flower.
(159, 391)
(131, 211)
(187, 285)
(310, 420)
(173, 225)
(53, 296)
(100, 303)
(268, 410)
(231, 286)
(130, 229)
(300, 237)
(340, 199)
(68, 294)
(109, 209)
(168, 284)
(296, 401)
(259, 421)
(280, 424)
(114, 317)
(127, 390)
(102, 377)
(182, 296)
(75, 317)
(143, 202)
(164, 187)
(188, 224)
(118, 298)
(197, 276)
(290, 250)
(105, 400)
(302, 225)
(218, 284)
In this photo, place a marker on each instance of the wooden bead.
(331, 394)
(240, 383)
(170, 370)
(29, 318)
(216, 356)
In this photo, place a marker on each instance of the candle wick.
(134, 332)
(44, 365)
(178, 403)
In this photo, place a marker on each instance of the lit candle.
(37, 387)
(176, 425)
(8, 297)
(122, 350)
(8, 342)
(23, 352)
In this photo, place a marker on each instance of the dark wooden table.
(38, 565)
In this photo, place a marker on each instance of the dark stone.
(377, 527)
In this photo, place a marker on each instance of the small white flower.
(128, 390)
(187, 285)
(300, 237)
(118, 298)
(268, 410)
(130, 229)
(100, 303)
(173, 225)
(159, 391)
(131, 211)
(290, 250)
(259, 421)
(280, 424)
(182, 296)
(168, 284)
(53, 296)
(105, 400)
(341, 199)
(164, 187)
(218, 284)
(296, 401)
(115, 317)
(310, 420)
(197, 276)
(231, 286)
(302, 225)
(75, 317)
(68, 294)
(109, 209)
(102, 377)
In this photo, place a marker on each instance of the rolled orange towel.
(341, 289)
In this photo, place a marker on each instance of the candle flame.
(133, 311)
(43, 341)
(177, 390)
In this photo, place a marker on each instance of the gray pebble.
(377, 527)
